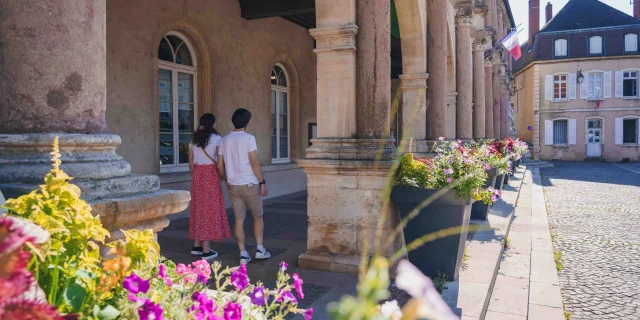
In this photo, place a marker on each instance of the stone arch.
(200, 50)
(413, 36)
(294, 100)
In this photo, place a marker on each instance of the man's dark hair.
(241, 118)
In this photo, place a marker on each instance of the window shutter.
(572, 86)
(584, 87)
(619, 82)
(548, 93)
(572, 131)
(548, 132)
(607, 84)
(618, 131)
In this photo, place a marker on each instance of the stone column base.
(121, 199)
(346, 197)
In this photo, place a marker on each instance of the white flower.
(419, 286)
(391, 309)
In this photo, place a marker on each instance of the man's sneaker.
(209, 255)
(196, 251)
(261, 255)
(245, 259)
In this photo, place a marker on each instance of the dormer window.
(595, 45)
(631, 43)
(560, 48)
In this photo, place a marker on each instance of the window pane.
(284, 147)
(183, 148)
(560, 132)
(282, 79)
(166, 148)
(629, 131)
(185, 118)
(185, 87)
(284, 124)
(164, 51)
(561, 48)
(165, 100)
(274, 77)
(175, 41)
(274, 137)
(630, 87)
(595, 45)
(183, 56)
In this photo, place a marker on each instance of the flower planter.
(442, 255)
(480, 210)
(517, 163)
(514, 166)
(499, 181)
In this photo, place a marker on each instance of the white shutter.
(548, 132)
(607, 84)
(631, 42)
(572, 131)
(618, 131)
(572, 86)
(548, 93)
(584, 87)
(619, 82)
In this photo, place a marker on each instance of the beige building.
(124, 82)
(577, 87)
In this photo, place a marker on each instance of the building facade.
(124, 83)
(577, 87)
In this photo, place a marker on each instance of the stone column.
(347, 167)
(53, 83)
(504, 115)
(493, 11)
(497, 97)
(489, 100)
(464, 76)
(437, 68)
(479, 109)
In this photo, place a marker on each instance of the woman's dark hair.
(241, 118)
(205, 129)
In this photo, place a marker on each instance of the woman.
(208, 217)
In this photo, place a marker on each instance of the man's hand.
(263, 190)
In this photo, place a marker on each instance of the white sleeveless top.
(198, 155)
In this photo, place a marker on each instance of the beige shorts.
(243, 197)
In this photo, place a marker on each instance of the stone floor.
(594, 211)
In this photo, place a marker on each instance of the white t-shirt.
(198, 155)
(235, 149)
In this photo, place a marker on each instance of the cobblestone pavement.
(594, 211)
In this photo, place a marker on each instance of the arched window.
(560, 47)
(279, 115)
(595, 45)
(176, 100)
(631, 42)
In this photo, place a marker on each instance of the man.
(239, 166)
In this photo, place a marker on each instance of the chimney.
(549, 12)
(534, 18)
(636, 9)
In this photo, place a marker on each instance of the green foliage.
(557, 256)
(441, 282)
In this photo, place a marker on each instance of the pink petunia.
(239, 277)
(233, 311)
(297, 284)
(135, 284)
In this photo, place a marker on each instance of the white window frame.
(591, 90)
(565, 81)
(564, 44)
(601, 46)
(626, 50)
(286, 90)
(553, 124)
(175, 68)
(637, 71)
(586, 128)
(637, 119)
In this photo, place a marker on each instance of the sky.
(520, 10)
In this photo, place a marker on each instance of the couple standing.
(233, 159)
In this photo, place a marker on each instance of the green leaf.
(108, 313)
(74, 295)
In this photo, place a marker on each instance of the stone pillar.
(437, 68)
(487, 18)
(414, 87)
(347, 176)
(464, 74)
(479, 109)
(497, 97)
(53, 83)
(504, 114)
(489, 100)
(493, 11)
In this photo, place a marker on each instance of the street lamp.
(580, 77)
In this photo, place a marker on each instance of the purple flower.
(202, 267)
(307, 314)
(162, 272)
(448, 171)
(239, 277)
(297, 284)
(449, 180)
(257, 296)
(287, 296)
(135, 284)
(132, 297)
(283, 266)
(150, 311)
(233, 311)
(487, 166)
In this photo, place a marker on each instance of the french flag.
(513, 45)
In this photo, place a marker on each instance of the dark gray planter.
(480, 210)
(514, 166)
(506, 178)
(499, 182)
(518, 163)
(442, 255)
